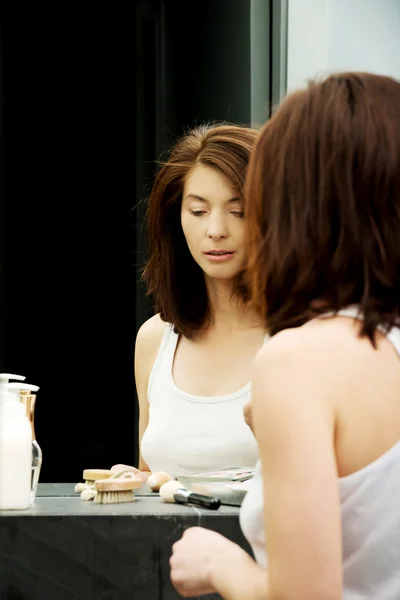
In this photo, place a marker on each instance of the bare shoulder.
(307, 370)
(150, 334)
(151, 331)
(317, 346)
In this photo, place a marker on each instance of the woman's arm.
(141, 379)
(248, 415)
(295, 427)
(148, 341)
(294, 388)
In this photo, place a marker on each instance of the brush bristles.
(114, 497)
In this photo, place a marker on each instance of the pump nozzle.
(5, 377)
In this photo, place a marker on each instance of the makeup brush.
(172, 491)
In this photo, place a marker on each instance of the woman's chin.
(221, 273)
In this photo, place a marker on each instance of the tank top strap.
(165, 356)
(354, 312)
(350, 311)
(394, 338)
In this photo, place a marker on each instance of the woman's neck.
(227, 311)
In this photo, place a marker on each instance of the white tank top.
(370, 508)
(188, 433)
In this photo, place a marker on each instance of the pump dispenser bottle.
(15, 446)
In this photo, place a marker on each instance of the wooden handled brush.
(92, 475)
(115, 491)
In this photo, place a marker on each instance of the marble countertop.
(59, 499)
(77, 550)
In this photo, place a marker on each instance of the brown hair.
(323, 204)
(172, 276)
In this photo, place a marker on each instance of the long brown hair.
(323, 204)
(172, 276)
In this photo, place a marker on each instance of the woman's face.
(212, 222)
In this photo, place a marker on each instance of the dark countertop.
(78, 550)
(59, 499)
(53, 490)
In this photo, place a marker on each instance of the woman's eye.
(197, 213)
(238, 213)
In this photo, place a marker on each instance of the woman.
(193, 359)
(323, 230)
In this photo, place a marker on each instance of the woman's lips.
(219, 255)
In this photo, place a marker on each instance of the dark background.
(89, 104)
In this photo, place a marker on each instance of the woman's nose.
(217, 227)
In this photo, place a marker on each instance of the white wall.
(335, 35)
